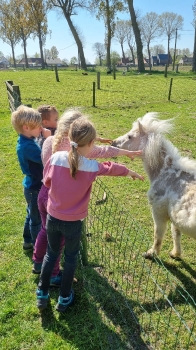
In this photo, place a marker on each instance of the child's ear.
(45, 123)
(25, 127)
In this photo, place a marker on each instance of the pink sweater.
(97, 152)
(68, 198)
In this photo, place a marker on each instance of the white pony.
(172, 194)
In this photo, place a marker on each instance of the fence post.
(165, 71)
(16, 96)
(83, 250)
(94, 93)
(177, 68)
(56, 73)
(170, 88)
(98, 80)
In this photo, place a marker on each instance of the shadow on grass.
(99, 318)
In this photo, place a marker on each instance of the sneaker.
(42, 300)
(27, 246)
(64, 303)
(56, 281)
(37, 268)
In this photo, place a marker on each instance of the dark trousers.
(32, 223)
(56, 229)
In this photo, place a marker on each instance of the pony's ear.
(140, 127)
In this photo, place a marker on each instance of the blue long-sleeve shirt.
(29, 157)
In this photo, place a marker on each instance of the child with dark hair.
(50, 117)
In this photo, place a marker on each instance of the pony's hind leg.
(176, 235)
(160, 226)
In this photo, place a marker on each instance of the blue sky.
(93, 30)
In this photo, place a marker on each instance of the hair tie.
(74, 144)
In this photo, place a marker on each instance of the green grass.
(94, 322)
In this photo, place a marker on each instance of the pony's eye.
(129, 137)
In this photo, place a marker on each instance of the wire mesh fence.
(141, 305)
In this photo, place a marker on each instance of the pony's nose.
(114, 143)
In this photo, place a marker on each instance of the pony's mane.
(151, 123)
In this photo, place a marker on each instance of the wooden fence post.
(98, 80)
(170, 88)
(94, 93)
(16, 96)
(56, 73)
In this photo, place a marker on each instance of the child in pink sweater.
(69, 177)
(60, 142)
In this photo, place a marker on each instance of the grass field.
(95, 322)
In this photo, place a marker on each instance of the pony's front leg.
(160, 226)
(176, 235)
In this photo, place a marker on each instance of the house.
(162, 59)
(4, 63)
(186, 61)
(32, 61)
(54, 62)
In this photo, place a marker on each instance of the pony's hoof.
(175, 257)
(148, 255)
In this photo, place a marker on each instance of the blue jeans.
(56, 229)
(32, 223)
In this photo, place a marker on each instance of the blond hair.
(45, 111)
(81, 132)
(63, 126)
(25, 116)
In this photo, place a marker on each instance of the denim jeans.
(56, 229)
(41, 241)
(32, 223)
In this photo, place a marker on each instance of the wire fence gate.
(140, 304)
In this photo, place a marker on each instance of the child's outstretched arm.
(135, 175)
(130, 154)
(102, 140)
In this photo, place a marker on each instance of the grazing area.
(123, 301)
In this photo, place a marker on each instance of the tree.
(169, 23)
(194, 25)
(137, 34)
(38, 10)
(9, 31)
(54, 52)
(99, 50)
(120, 34)
(115, 58)
(24, 25)
(68, 7)
(73, 60)
(156, 49)
(107, 10)
(131, 40)
(150, 29)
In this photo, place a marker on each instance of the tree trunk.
(137, 34)
(168, 53)
(149, 55)
(25, 49)
(123, 53)
(13, 55)
(77, 40)
(41, 50)
(194, 54)
(132, 53)
(109, 37)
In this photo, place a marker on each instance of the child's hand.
(135, 175)
(46, 133)
(133, 154)
(100, 139)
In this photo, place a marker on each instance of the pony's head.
(137, 137)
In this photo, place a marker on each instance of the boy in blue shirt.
(28, 124)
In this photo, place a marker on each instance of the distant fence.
(140, 304)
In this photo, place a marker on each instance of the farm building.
(161, 59)
(186, 61)
(4, 63)
(36, 62)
